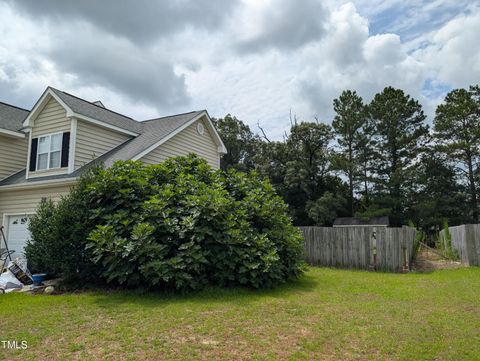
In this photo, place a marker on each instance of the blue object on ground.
(38, 278)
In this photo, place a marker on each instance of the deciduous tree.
(240, 142)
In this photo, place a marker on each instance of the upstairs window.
(49, 151)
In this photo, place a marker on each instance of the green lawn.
(327, 315)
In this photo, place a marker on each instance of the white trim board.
(12, 133)
(221, 147)
(40, 184)
(105, 125)
(72, 145)
(29, 151)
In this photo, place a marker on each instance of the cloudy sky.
(256, 59)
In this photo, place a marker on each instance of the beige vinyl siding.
(185, 142)
(25, 201)
(93, 141)
(52, 119)
(13, 155)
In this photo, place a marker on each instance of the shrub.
(59, 235)
(262, 247)
(182, 225)
(41, 251)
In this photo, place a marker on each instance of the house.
(44, 151)
(361, 222)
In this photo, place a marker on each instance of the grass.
(328, 314)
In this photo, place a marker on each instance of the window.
(200, 128)
(49, 151)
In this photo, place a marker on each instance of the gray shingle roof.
(12, 117)
(91, 110)
(152, 131)
(353, 221)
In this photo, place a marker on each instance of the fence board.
(352, 247)
(466, 240)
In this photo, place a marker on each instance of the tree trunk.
(350, 180)
(473, 188)
(365, 180)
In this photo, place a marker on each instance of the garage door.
(17, 234)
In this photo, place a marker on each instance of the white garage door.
(17, 234)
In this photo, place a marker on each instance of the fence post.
(373, 238)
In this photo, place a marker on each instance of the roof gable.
(152, 132)
(82, 109)
(194, 116)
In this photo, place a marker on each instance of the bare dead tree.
(293, 119)
(263, 132)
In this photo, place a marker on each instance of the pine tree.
(349, 125)
(399, 134)
(457, 130)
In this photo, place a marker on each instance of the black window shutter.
(65, 149)
(33, 155)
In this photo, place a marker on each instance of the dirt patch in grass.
(427, 261)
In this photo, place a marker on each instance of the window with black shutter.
(50, 151)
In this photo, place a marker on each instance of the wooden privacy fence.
(466, 240)
(381, 248)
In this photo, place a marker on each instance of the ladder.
(7, 254)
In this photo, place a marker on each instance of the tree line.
(375, 159)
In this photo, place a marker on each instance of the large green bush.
(180, 225)
(59, 234)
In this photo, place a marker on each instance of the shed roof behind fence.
(354, 221)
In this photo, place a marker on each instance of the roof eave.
(103, 124)
(39, 184)
(220, 145)
(12, 133)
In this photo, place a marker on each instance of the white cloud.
(22, 67)
(280, 24)
(347, 32)
(252, 88)
(296, 56)
(265, 86)
(80, 58)
(453, 53)
(351, 59)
